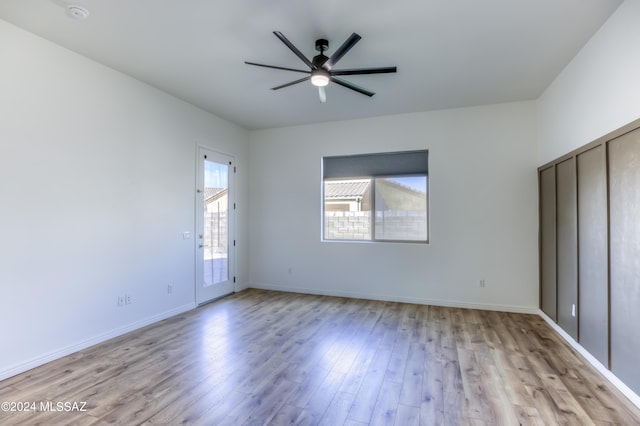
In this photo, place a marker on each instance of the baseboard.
(615, 381)
(240, 287)
(67, 350)
(392, 298)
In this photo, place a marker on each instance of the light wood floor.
(261, 357)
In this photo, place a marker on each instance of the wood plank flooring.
(262, 357)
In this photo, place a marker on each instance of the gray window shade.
(381, 164)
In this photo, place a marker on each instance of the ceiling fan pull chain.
(323, 94)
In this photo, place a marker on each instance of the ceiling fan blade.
(290, 83)
(362, 71)
(342, 50)
(322, 94)
(352, 86)
(294, 49)
(277, 67)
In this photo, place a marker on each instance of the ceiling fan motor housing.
(319, 60)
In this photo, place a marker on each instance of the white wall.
(598, 92)
(97, 179)
(483, 210)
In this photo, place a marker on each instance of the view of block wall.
(356, 225)
(347, 225)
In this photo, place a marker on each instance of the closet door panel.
(592, 253)
(624, 214)
(548, 242)
(567, 246)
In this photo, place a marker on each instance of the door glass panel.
(216, 223)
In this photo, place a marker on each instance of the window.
(376, 197)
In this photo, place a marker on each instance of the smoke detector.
(77, 12)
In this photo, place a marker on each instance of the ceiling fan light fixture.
(320, 78)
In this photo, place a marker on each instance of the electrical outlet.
(169, 289)
(127, 299)
(482, 283)
(120, 301)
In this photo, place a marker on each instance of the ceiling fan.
(321, 70)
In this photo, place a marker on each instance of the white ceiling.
(449, 53)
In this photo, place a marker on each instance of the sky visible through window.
(215, 175)
(419, 183)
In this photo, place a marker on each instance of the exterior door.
(215, 239)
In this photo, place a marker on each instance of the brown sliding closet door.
(567, 246)
(548, 242)
(592, 249)
(624, 211)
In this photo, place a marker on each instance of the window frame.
(372, 189)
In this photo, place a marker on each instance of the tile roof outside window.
(346, 188)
